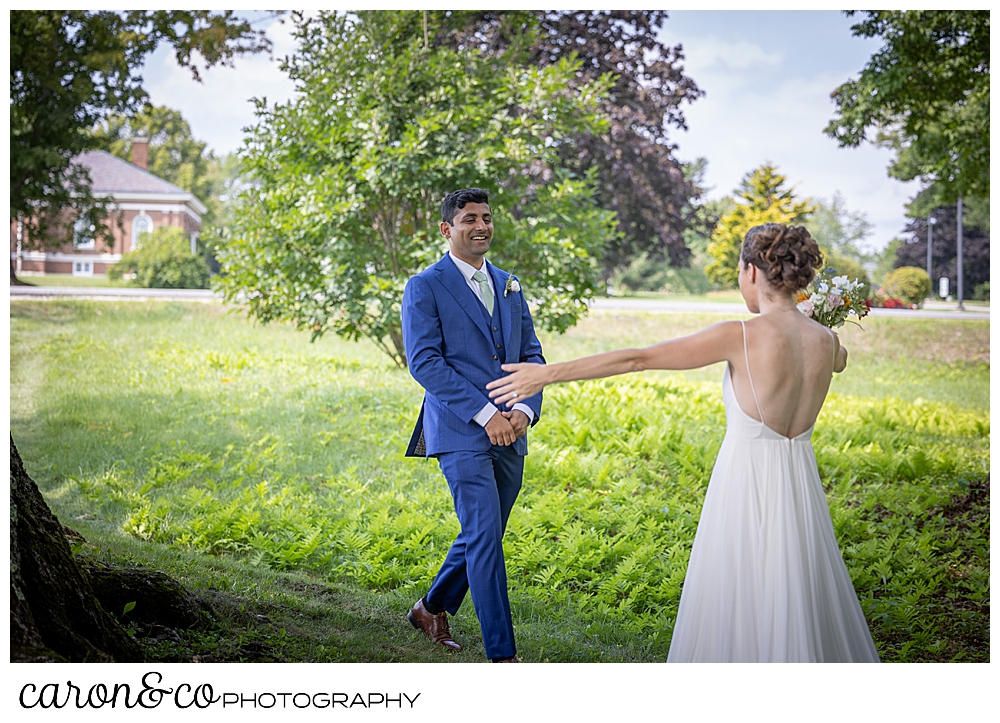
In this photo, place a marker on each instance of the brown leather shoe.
(435, 627)
(507, 660)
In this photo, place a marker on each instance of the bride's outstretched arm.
(711, 345)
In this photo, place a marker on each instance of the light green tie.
(484, 289)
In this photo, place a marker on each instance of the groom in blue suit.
(462, 319)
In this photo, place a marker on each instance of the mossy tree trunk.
(54, 614)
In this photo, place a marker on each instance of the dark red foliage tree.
(638, 175)
(944, 249)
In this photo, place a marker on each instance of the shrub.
(908, 283)
(163, 261)
(981, 292)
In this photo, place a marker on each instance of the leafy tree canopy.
(925, 94)
(638, 176)
(69, 69)
(762, 197)
(839, 230)
(348, 177)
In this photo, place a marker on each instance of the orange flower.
(800, 297)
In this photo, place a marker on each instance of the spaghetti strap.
(747, 358)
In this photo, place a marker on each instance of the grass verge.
(267, 474)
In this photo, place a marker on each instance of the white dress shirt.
(467, 270)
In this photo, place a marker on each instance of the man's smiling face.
(470, 232)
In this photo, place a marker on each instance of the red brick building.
(137, 200)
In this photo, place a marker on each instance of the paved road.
(624, 304)
(110, 293)
(656, 306)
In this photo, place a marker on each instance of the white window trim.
(135, 228)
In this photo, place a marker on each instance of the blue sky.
(767, 76)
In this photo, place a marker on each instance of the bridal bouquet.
(830, 299)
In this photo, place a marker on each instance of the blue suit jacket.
(450, 352)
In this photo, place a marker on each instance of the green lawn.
(267, 474)
(70, 280)
(729, 296)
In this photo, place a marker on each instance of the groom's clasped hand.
(505, 428)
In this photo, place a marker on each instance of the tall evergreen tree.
(762, 197)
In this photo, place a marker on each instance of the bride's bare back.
(792, 360)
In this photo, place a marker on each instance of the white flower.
(823, 287)
(840, 280)
(806, 307)
(515, 286)
(817, 299)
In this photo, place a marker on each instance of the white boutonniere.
(512, 285)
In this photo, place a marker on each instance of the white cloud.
(220, 107)
(755, 111)
(717, 54)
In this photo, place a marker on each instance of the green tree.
(638, 176)
(762, 197)
(926, 95)
(839, 230)
(346, 179)
(70, 69)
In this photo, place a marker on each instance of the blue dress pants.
(484, 486)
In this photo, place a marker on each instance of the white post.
(930, 235)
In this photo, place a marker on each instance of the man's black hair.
(457, 199)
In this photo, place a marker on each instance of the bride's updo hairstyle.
(787, 255)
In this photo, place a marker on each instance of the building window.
(83, 268)
(194, 243)
(83, 234)
(140, 224)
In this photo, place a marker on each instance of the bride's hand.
(525, 380)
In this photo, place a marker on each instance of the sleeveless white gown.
(766, 581)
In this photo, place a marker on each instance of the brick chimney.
(140, 152)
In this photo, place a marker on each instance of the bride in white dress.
(766, 581)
